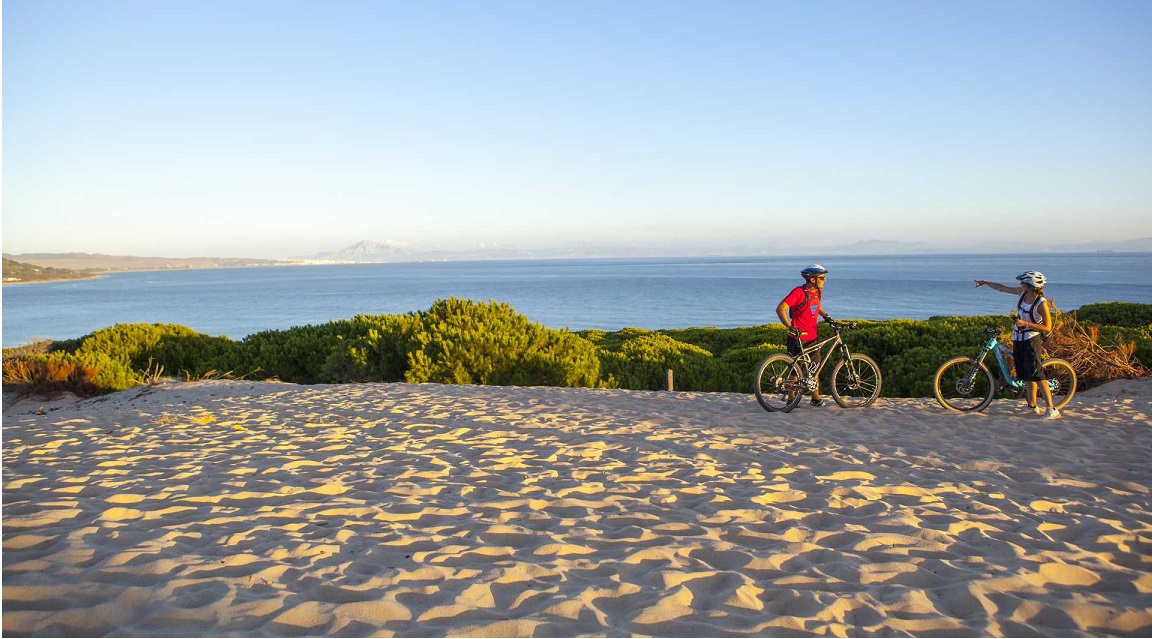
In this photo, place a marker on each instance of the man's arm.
(782, 313)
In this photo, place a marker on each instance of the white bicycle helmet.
(1035, 279)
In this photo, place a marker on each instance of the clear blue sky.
(273, 128)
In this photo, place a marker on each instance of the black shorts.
(794, 346)
(1029, 358)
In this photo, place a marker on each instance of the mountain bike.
(967, 384)
(782, 380)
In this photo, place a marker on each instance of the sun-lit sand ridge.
(266, 508)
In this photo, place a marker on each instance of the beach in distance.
(237, 508)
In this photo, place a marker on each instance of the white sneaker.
(1051, 413)
(1034, 409)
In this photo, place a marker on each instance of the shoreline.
(246, 508)
(57, 279)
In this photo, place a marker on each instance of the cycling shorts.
(795, 344)
(1028, 356)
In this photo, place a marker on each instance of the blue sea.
(576, 294)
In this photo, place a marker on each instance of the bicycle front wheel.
(963, 384)
(778, 383)
(1061, 378)
(856, 381)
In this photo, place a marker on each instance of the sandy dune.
(239, 508)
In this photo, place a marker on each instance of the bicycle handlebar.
(836, 326)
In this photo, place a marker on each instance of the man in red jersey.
(801, 311)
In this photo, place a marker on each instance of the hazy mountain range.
(390, 251)
(369, 251)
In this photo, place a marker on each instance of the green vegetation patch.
(468, 342)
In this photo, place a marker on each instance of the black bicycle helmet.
(814, 269)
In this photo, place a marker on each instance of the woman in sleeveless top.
(1033, 321)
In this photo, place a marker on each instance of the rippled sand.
(240, 508)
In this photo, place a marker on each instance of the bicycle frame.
(1000, 351)
(806, 354)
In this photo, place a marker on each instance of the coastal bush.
(642, 363)
(463, 341)
(739, 364)
(194, 356)
(467, 342)
(1122, 314)
(119, 357)
(131, 344)
(372, 348)
(721, 340)
(85, 374)
(298, 354)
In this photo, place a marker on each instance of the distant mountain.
(882, 247)
(367, 251)
(1123, 246)
(375, 252)
(895, 247)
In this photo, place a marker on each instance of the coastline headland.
(62, 266)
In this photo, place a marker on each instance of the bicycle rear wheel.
(856, 381)
(1061, 378)
(963, 384)
(778, 383)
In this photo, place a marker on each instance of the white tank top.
(1025, 311)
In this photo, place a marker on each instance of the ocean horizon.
(577, 294)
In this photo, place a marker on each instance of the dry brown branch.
(1094, 362)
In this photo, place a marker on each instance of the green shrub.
(123, 353)
(467, 342)
(642, 363)
(131, 344)
(194, 356)
(739, 364)
(1124, 314)
(298, 354)
(85, 374)
(719, 341)
(371, 349)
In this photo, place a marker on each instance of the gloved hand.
(830, 319)
(793, 332)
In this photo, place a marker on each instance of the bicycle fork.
(965, 385)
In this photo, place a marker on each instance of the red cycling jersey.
(804, 311)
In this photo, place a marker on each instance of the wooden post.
(669, 379)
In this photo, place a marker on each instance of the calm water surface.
(577, 294)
